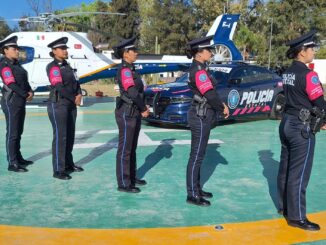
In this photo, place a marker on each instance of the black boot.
(205, 194)
(140, 181)
(25, 162)
(74, 168)
(198, 200)
(17, 168)
(61, 175)
(304, 224)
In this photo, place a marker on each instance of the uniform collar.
(200, 65)
(12, 62)
(59, 62)
(299, 63)
(126, 64)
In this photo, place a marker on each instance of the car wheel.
(84, 92)
(278, 107)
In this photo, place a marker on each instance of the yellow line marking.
(274, 231)
(98, 70)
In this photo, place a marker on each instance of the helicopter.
(92, 64)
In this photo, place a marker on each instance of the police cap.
(201, 43)
(126, 44)
(306, 40)
(59, 43)
(9, 42)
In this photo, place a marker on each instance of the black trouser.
(63, 120)
(15, 118)
(297, 153)
(129, 128)
(200, 130)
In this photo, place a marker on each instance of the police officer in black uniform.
(303, 117)
(15, 92)
(65, 95)
(203, 112)
(130, 108)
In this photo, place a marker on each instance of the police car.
(248, 90)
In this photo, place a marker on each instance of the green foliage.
(171, 22)
(4, 29)
(321, 54)
(125, 26)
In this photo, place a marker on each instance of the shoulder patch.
(314, 88)
(126, 78)
(314, 79)
(7, 75)
(202, 77)
(55, 75)
(127, 72)
(203, 82)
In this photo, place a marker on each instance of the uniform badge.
(7, 73)
(315, 80)
(56, 73)
(203, 77)
(127, 73)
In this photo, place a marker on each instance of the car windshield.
(220, 77)
(182, 79)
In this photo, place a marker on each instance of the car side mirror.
(235, 81)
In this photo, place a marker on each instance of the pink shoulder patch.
(314, 88)
(203, 83)
(126, 78)
(7, 76)
(55, 75)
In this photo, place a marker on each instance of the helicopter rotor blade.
(84, 13)
(105, 34)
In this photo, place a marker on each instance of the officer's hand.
(145, 113)
(323, 127)
(30, 96)
(78, 99)
(226, 111)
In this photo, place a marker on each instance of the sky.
(16, 8)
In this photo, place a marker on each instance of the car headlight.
(178, 100)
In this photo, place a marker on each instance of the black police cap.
(203, 42)
(126, 44)
(9, 42)
(305, 40)
(59, 43)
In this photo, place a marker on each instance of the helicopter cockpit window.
(97, 50)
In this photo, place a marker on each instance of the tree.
(126, 26)
(169, 21)
(4, 29)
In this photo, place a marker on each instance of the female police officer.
(304, 97)
(130, 108)
(16, 91)
(206, 104)
(65, 94)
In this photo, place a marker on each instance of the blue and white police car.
(248, 90)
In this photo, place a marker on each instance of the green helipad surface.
(240, 171)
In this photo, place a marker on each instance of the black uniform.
(62, 112)
(13, 102)
(130, 104)
(302, 90)
(203, 85)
